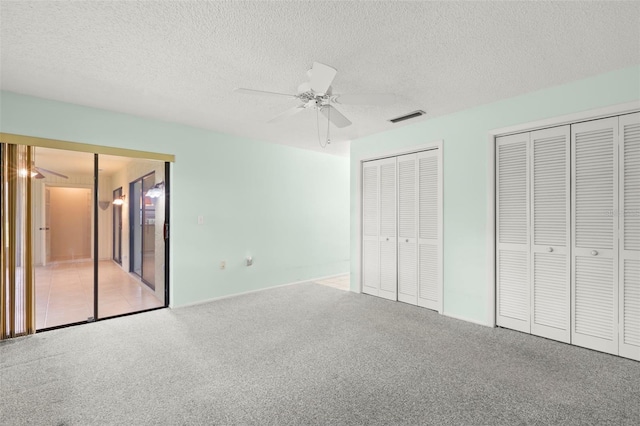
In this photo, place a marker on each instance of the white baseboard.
(483, 323)
(213, 299)
(330, 276)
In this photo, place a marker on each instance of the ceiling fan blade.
(262, 92)
(288, 113)
(41, 170)
(335, 116)
(321, 77)
(367, 99)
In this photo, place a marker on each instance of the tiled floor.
(64, 292)
(340, 282)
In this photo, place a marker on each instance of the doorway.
(69, 233)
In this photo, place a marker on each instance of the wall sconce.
(156, 191)
(119, 201)
(103, 204)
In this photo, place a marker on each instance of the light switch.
(200, 220)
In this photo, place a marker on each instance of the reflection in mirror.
(131, 267)
(62, 195)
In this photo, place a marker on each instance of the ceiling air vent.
(413, 114)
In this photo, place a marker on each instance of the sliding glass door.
(117, 226)
(145, 209)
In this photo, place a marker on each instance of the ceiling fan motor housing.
(314, 100)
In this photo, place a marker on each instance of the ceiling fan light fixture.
(409, 116)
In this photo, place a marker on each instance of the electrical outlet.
(223, 264)
(200, 220)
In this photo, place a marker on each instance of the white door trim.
(594, 114)
(439, 145)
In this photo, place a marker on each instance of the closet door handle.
(387, 238)
(550, 249)
(407, 240)
(594, 253)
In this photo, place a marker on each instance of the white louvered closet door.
(551, 233)
(512, 224)
(370, 227)
(388, 226)
(595, 235)
(429, 166)
(407, 230)
(629, 215)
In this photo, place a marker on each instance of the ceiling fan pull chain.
(328, 121)
(318, 127)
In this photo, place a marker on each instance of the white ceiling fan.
(317, 94)
(40, 173)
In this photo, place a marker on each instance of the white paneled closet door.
(629, 301)
(429, 229)
(388, 226)
(370, 227)
(551, 233)
(512, 224)
(407, 230)
(595, 235)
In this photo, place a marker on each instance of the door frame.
(439, 145)
(568, 119)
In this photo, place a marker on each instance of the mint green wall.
(465, 136)
(287, 207)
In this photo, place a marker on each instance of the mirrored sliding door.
(84, 233)
(63, 193)
(131, 277)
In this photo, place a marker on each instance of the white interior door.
(407, 230)
(595, 235)
(629, 214)
(512, 224)
(430, 229)
(551, 233)
(370, 228)
(388, 226)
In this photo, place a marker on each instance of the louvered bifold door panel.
(595, 235)
(512, 225)
(550, 218)
(388, 226)
(370, 227)
(629, 286)
(407, 230)
(429, 164)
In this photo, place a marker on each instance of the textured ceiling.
(179, 61)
